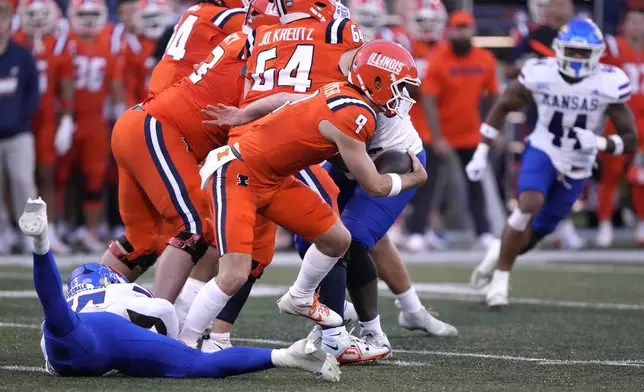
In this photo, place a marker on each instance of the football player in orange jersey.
(254, 175)
(163, 185)
(624, 51)
(41, 32)
(98, 75)
(200, 29)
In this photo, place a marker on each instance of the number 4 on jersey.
(295, 74)
(557, 129)
(177, 45)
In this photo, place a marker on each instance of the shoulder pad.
(614, 83)
(536, 73)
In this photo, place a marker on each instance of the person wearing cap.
(19, 99)
(458, 75)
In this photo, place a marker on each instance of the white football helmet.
(38, 17)
(152, 18)
(87, 17)
(427, 20)
(370, 15)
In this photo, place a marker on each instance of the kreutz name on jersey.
(387, 63)
(288, 34)
(570, 102)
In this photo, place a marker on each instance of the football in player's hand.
(392, 161)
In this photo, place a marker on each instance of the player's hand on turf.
(222, 115)
(587, 139)
(418, 172)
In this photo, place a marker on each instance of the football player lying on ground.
(102, 326)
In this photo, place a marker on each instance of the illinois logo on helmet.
(87, 17)
(427, 19)
(290, 10)
(38, 17)
(152, 18)
(381, 69)
(260, 13)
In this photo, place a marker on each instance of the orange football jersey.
(53, 63)
(138, 67)
(621, 54)
(298, 57)
(201, 28)
(277, 146)
(218, 79)
(421, 52)
(96, 65)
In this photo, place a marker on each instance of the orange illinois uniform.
(621, 54)
(458, 82)
(54, 65)
(158, 146)
(95, 66)
(201, 28)
(298, 57)
(255, 175)
(138, 67)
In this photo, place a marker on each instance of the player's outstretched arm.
(515, 97)
(222, 115)
(354, 154)
(622, 117)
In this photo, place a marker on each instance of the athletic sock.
(209, 302)
(314, 268)
(333, 288)
(409, 301)
(186, 298)
(372, 326)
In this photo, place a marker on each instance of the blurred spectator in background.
(525, 24)
(458, 75)
(370, 15)
(42, 32)
(624, 51)
(426, 23)
(19, 99)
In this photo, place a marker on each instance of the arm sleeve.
(154, 312)
(31, 97)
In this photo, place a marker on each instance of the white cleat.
(497, 291)
(33, 221)
(604, 237)
(377, 340)
(425, 321)
(568, 238)
(350, 314)
(482, 274)
(210, 344)
(312, 309)
(434, 241)
(415, 243)
(485, 241)
(307, 355)
(346, 348)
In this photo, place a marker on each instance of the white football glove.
(587, 139)
(64, 135)
(476, 167)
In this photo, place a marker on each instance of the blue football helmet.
(92, 276)
(578, 48)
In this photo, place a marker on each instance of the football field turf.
(574, 327)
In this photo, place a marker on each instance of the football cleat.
(307, 355)
(377, 340)
(313, 310)
(604, 237)
(350, 314)
(497, 291)
(482, 274)
(425, 321)
(210, 344)
(347, 348)
(33, 221)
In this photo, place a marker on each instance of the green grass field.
(573, 327)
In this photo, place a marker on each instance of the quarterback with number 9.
(573, 93)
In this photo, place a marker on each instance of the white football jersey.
(131, 301)
(563, 106)
(395, 133)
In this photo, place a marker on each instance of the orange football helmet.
(290, 10)
(427, 20)
(260, 13)
(152, 18)
(38, 17)
(381, 69)
(87, 17)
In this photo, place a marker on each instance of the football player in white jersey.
(104, 324)
(574, 94)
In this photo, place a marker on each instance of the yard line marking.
(402, 363)
(24, 369)
(18, 325)
(540, 361)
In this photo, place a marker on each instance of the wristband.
(396, 184)
(619, 144)
(489, 131)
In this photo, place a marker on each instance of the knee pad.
(124, 251)
(194, 244)
(360, 267)
(519, 220)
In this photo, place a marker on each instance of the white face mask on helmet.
(88, 17)
(428, 22)
(38, 17)
(152, 20)
(578, 48)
